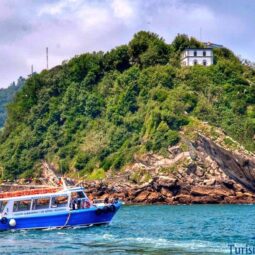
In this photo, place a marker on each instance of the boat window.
(78, 194)
(59, 201)
(41, 203)
(2, 205)
(20, 206)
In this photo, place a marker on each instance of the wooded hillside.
(99, 109)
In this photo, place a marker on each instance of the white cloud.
(57, 8)
(123, 9)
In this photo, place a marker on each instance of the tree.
(147, 49)
(117, 59)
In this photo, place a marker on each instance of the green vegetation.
(6, 95)
(96, 111)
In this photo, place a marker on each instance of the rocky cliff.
(206, 172)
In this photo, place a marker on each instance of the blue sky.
(71, 27)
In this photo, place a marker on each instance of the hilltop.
(100, 111)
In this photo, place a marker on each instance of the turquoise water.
(159, 229)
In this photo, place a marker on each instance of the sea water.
(155, 229)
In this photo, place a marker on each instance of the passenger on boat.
(106, 200)
(78, 203)
(74, 204)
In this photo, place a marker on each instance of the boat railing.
(103, 202)
(28, 192)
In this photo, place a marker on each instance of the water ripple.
(160, 230)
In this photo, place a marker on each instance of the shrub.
(82, 160)
(97, 174)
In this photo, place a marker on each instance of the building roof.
(198, 49)
(213, 45)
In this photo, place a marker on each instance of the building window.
(195, 53)
(195, 62)
(204, 53)
(204, 63)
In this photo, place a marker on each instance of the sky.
(72, 27)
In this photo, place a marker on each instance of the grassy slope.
(96, 111)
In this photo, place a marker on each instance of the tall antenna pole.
(47, 58)
(200, 34)
(32, 69)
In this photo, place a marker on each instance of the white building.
(197, 56)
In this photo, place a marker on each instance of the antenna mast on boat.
(64, 183)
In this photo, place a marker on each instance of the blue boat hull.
(82, 217)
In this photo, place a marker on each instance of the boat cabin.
(73, 198)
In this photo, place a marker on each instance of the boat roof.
(41, 195)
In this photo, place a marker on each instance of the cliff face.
(206, 173)
(238, 167)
